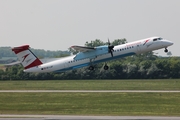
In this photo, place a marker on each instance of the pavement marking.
(90, 91)
(77, 117)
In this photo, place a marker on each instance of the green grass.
(171, 84)
(125, 104)
(158, 104)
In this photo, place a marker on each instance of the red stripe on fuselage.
(146, 42)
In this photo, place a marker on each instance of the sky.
(59, 24)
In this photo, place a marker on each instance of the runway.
(91, 91)
(69, 117)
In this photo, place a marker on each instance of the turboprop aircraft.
(88, 56)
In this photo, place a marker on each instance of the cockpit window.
(159, 38)
(155, 39)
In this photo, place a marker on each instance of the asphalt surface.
(68, 117)
(95, 91)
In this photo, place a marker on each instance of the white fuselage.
(137, 47)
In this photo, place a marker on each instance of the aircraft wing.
(83, 49)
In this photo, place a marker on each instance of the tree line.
(7, 52)
(142, 66)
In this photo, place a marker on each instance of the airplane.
(88, 56)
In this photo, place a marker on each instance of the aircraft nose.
(168, 43)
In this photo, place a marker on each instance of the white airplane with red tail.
(88, 56)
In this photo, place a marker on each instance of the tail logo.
(24, 57)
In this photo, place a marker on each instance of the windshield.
(155, 39)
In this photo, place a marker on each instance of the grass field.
(159, 104)
(172, 84)
(122, 104)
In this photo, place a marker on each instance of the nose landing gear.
(166, 50)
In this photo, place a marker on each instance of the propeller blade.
(110, 48)
(109, 42)
(111, 53)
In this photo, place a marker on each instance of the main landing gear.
(91, 67)
(166, 50)
(110, 50)
(106, 67)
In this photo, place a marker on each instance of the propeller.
(110, 48)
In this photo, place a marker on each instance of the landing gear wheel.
(91, 68)
(106, 67)
(166, 50)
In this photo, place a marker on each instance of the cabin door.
(138, 48)
(66, 65)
